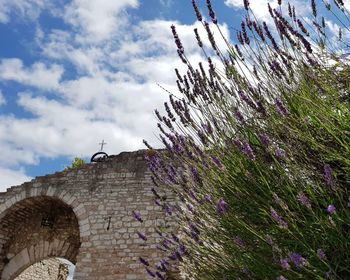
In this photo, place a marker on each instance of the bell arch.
(39, 227)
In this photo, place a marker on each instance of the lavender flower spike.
(298, 260)
(331, 209)
(328, 175)
(321, 254)
(144, 261)
(137, 216)
(304, 200)
(142, 236)
(278, 219)
(221, 206)
(280, 153)
(264, 138)
(150, 272)
(284, 264)
(246, 4)
(247, 149)
(280, 107)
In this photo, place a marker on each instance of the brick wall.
(102, 197)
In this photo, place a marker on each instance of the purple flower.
(155, 193)
(237, 143)
(217, 162)
(331, 209)
(142, 236)
(280, 108)
(278, 219)
(168, 209)
(264, 138)
(313, 8)
(247, 149)
(157, 202)
(304, 200)
(284, 263)
(144, 261)
(198, 14)
(160, 276)
(280, 153)
(321, 254)
(239, 116)
(246, 4)
(189, 207)
(281, 278)
(161, 267)
(164, 262)
(196, 238)
(208, 198)
(150, 272)
(175, 238)
(195, 175)
(194, 228)
(239, 242)
(158, 232)
(328, 175)
(221, 206)
(182, 249)
(298, 260)
(137, 216)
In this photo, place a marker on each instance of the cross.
(102, 144)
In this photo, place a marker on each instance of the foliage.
(76, 162)
(258, 153)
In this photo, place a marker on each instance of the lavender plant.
(258, 152)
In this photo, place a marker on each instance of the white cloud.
(9, 177)
(38, 75)
(27, 9)
(111, 99)
(2, 99)
(98, 19)
(234, 3)
(111, 94)
(334, 30)
(347, 4)
(261, 11)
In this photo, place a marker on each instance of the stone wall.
(49, 269)
(102, 197)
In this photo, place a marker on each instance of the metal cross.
(102, 144)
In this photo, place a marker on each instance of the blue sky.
(74, 72)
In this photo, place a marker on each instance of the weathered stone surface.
(93, 224)
(49, 269)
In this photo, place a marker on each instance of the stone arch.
(28, 256)
(49, 268)
(63, 195)
(23, 239)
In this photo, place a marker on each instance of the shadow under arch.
(25, 239)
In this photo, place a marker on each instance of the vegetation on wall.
(76, 162)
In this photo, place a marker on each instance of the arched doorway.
(48, 269)
(35, 229)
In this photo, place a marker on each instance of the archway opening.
(36, 229)
(49, 269)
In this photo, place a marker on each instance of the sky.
(76, 72)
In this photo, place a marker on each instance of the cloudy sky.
(74, 72)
